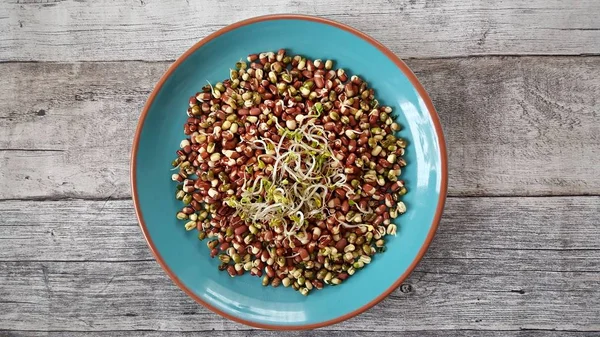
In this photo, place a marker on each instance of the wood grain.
(514, 125)
(41, 30)
(138, 296)
(316, 333)
(492, 267)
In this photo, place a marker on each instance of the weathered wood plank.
(138, 295)
(314, 333)
(518, 126)
(514, 126)
(512, 263)
(71, 135)
(524, 233)
(162, 30)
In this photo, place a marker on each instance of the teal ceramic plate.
(186, 260)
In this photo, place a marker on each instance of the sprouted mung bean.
(290, 169)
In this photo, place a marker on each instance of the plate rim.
(405, 70)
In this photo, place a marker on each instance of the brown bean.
(264, 256)
(311, 247)
(197, 197)
(241, 229)
(341, 193)
(280, 251)
(326, 240)
(303, 254)
(334, 203)
(380, 209)
(248, 151)
(352, 145)
(374, 118)
(345, 206)
(268, 236)
(339, 128)
(329, 126)
(384, 163)
(195, 205)
(350, 159)
(396, 186)
(369, 189)
(341, 244)
(363, 203)
(352, 170)
(319, 81)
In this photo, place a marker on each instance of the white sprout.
(304, 172)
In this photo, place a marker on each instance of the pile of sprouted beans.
(290, 171)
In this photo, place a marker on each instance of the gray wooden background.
(516, 84)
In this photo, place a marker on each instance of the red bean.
(303, 253)
(241, 229)
(345, 206)
(369, 189)
(341, 244)
(350, 159)
(270, 272)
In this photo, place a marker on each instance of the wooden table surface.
(517, 87)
